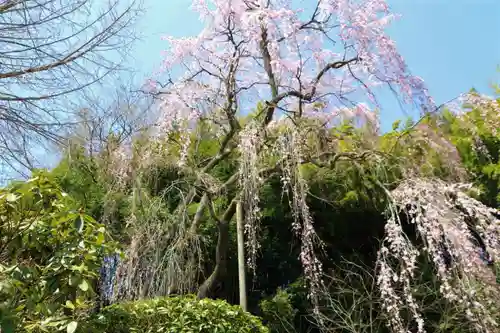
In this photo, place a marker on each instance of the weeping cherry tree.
(306, 69)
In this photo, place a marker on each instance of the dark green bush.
(174, 314)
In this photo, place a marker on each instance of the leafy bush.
(279, 312)
(174, 314)
(50, 254)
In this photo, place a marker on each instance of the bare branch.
(53, 52)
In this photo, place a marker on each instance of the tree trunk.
(241, 256)
(220, 254)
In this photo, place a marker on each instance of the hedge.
(173, 314)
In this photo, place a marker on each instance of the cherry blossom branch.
(265, 173)
(199, 214)
(314, 24)
(234, 126)
(271, 105)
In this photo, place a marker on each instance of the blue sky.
(452, 44)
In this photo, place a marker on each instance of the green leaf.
(11, 197)
(71, 327)
(84, 286)
(34, 179)
(70, 305)
(100, 239)
(89, 219)
(79, 223)
(396, 124)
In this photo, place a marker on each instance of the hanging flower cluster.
(290, 148)
(444, 217)
(250, 182)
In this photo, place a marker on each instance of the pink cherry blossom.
(298, 47)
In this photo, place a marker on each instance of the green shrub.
(174, 314)
(50, 255)
(279, 312)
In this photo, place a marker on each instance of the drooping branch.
(324, 160)
(241, 46)
(224, 151)
(440, 213)
(227, 145)
(329, 159)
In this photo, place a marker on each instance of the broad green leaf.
(84, 286)
(71, 327)
(74, 280)
(89, 219)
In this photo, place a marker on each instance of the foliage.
(476, 135)
(83, 177)
(50, 255)
(77, 175)
(174, 250)
(279, 312)
(174, 315)
(170, 213)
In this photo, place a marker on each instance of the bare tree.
(53, 52)
(124, 116)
